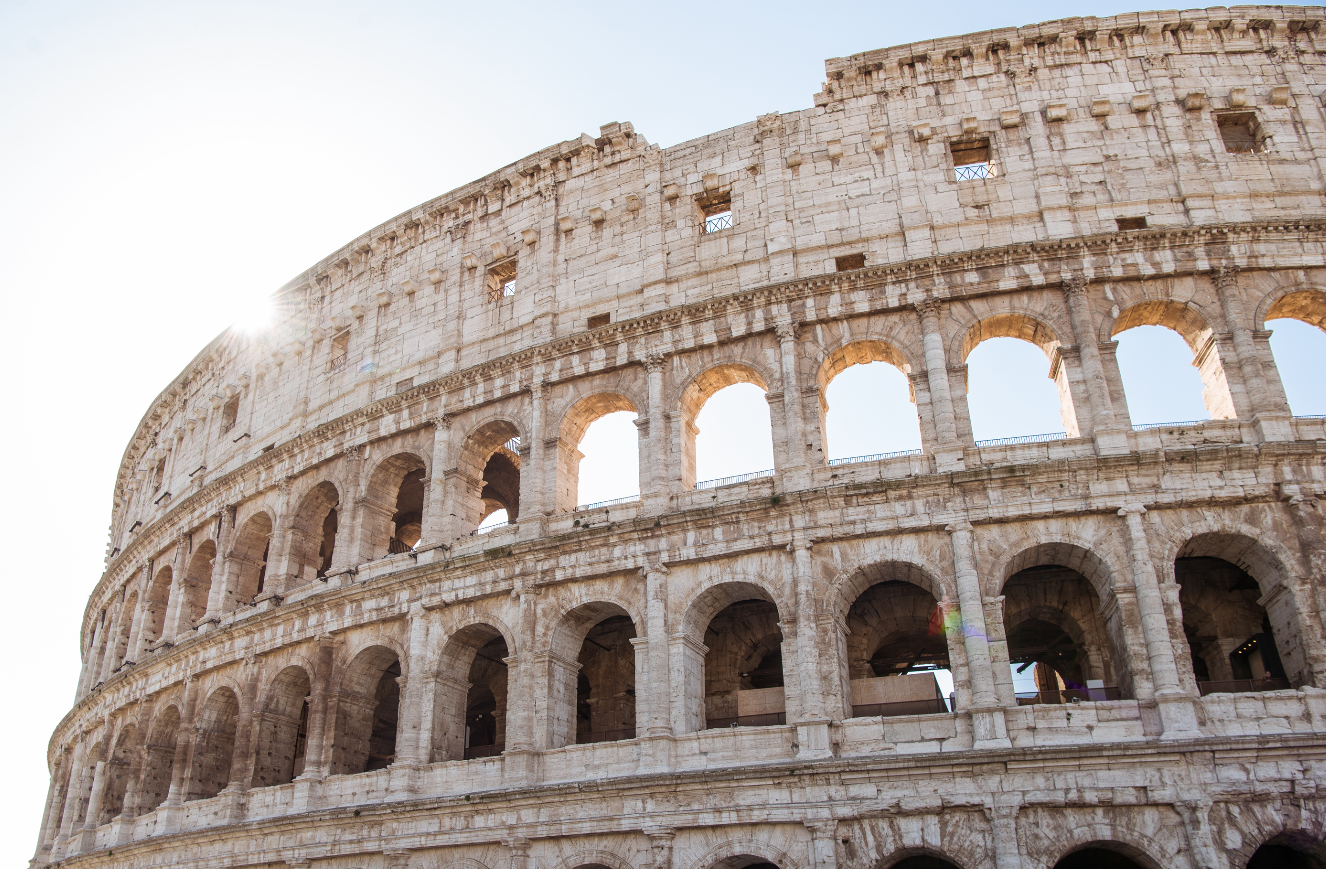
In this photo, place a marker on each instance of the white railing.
(609, 503)
(1024, 439)
(1150, 425)
(728, 481)
(851, 460)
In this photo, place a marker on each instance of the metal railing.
(973, 172)
(1068, 695)
(487, 528)
(1311, 416)
(338, 362)
(395, 546)
(768, 719)
(604, 736)
(1146, 426)
(902, 707)
(728, 481)
(1024, 439)
(513, 445)
(609, 503)
(716, 222)
(1242, 686)
(475, 751)
(833, 463)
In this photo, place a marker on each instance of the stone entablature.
(301, 650)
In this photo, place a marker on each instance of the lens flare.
(253, 314)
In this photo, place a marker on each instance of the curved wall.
(300, 649)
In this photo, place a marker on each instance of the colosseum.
(305, 651)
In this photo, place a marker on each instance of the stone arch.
(739, 853)
(856, 351)
(1104, 837)
(1030, 327)
(282, 727)
(1255, 826)
(315, 531)
(1194, 327)
(367, 711)
(159, 757)
(899, 858)
(121, 764)
(391, 510)
(128, 611)
(1306, 304)
(849, 584)
(197, 584)
(592, 684)
(575, 421)
(592, 858)
(246, 562)
(155, 604)
(214, 743)
(472, 656)
(490, 471)
(698, 390)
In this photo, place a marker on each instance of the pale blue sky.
(165, 164)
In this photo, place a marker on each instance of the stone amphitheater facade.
(302, 653)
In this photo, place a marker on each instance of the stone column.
(813, 726)
(1305, 513)
(134, 649)
(434, 528)
(77, 782)
(988, 727)
(179, 565)
(416, 721)
(948, 455)
(1176, 710)
(315, 751)
(1272, 418)
(792, 409)
(654, 445)
(823, 844)
(1196, 814)
(280, 578)
(1109, 436)
(660, 847)
(87, 835)
(109, 662)
(217, 594)
(521, 746)
(50, 816)
(243, 756)
(536, 499)
(519, 846)
(350, 518)
(655, 689)
(1002, 813)
(168, 813)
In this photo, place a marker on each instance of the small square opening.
(850, 262)
(1126, 223)
(971, 159)
(716, 211)
(599, 320)
(502, 280)
(1241, 133)
(340, 351)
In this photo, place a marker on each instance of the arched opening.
(470, 712)
(198, 583)
(154, 607)
(283, 729)
(159, 758)
(1095, 857)
(598, 455)
(1060, 649)
(594, 698)
(742, 669)
(1009, 397)
(726, 432)
(313, 535)
(246, 563)
(121, 639)
(1231, 638)
(1151, 365)
(393, 507)
(744, 861)
(897, 646)
(490, 461)
(1289, 851)
(1298, 342)
(923, 861)
(214, 745)
(867, 404)
(368, 708)
(119, 771)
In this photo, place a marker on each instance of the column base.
(168, 819)
(813, 740)
(950, 458)
(234, 805)
(520, 766)
(308, 792)
(122, 831)
(403, 778)
(1274, 426)
(1178, 718)
(988, 728)
(1111, 442)
(655, 754)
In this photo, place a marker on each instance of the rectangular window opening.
(502, 280)
(716, 210)
(599, 320)
(1127, 223)
(971, 160)
(1241, 133)
(229, 414)
(340, 351)
(850, 262)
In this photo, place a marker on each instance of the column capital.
(1133, 509)
(787, 331)
(654, 361)
(958, 527)
(659, 567)
(929, 308)
(1074, 285)
(1225, 276)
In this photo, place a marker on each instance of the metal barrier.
(488, 528)
(475, 751)
(833, 463)
(904, 707)
(627, 500)
(717, 222)
(1242, 686)
(1146, 426)
(973, 172)
(728, 481)
(604, 736)
(1024, 439)
(768, 719)
(1068, 695)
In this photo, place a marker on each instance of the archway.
(155, 604)
(611, 414)
(1289, 851)
(1006, 395)
(471, 711)
(368, 709)
(1298, 345)
(198, 584)
(159, 758)
(283, 729)
(121, 639)
(120, 767)
(313, 535)
(594, 698)
(741, 681)
(923, 861)
(214, 745)
(1096, 857)
(867, 403)
(393, 507)
(490, 462)
(741, 445)
(246, 562)
(1138, 375)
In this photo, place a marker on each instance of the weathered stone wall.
(288, 661)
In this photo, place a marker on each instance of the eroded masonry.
(305, 651)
